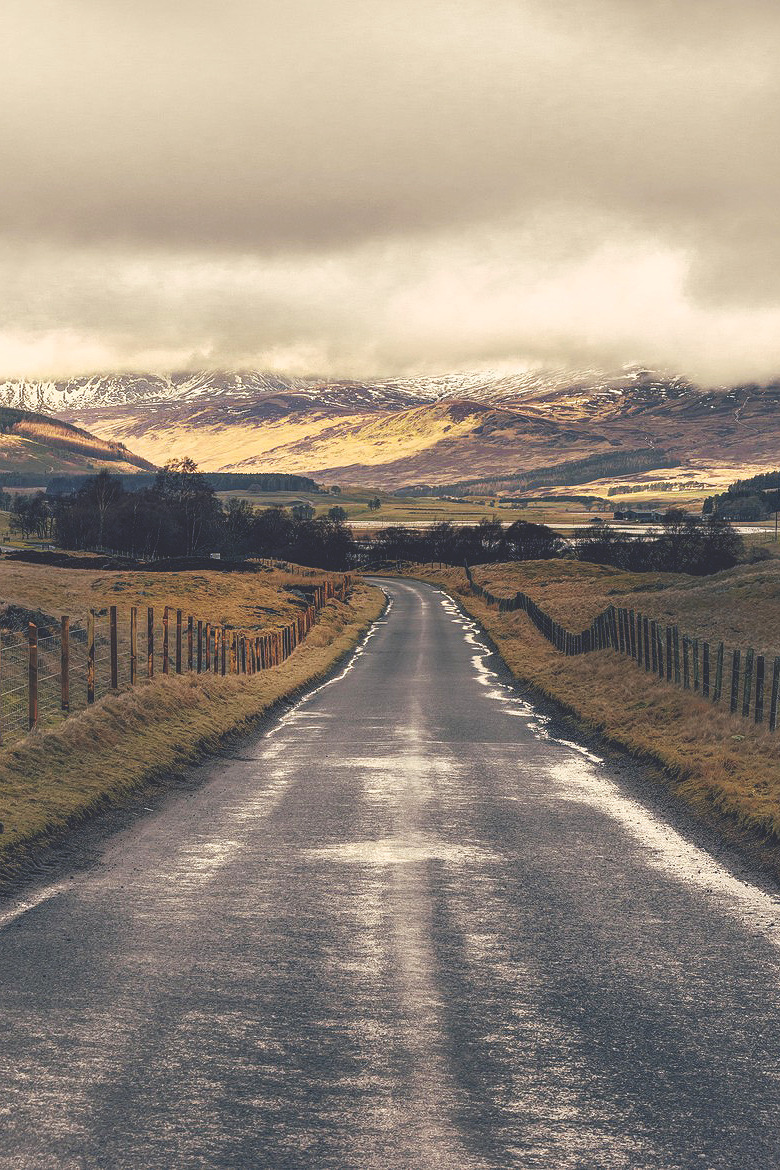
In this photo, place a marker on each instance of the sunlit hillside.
(405, 434)
(34, 443)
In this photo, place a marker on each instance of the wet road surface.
(408, 929)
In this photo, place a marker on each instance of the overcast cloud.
(356, 187)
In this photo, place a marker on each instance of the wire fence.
(51, 673)
(750, 682)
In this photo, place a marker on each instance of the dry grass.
(739, 606)
(94, 759)
(719, 764)
(241, 600)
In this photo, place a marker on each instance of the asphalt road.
(409, 929)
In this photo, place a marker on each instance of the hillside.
(35, 443)
(421, 430)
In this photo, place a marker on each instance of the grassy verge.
(243, 600)
(739, 607)
(725, 769)
(57, 779)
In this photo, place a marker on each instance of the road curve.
(408, 929)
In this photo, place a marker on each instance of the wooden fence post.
(660, 650)
(760, 689)
(234, 653)
(65, 663)
(748, 683)
(686, 647)
(166, 659)
(200, 646)
(676, 650)
(189, 642)
(133, 646)
(773, 702)
(718, 674)
(178, 641)
(224, 649)
(734, 681)
(695, 653)
(150, 641)
(91, 657)
(705, 670)
(114, 642)
(207, 636)
(654, 647)
(32, 675)
(668, 653)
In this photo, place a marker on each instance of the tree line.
(179, 515)
(686, 544)
(482, 543)
(220, 481)
(572, 471)
(661, 485)
(747, 499)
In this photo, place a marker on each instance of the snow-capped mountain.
(400, 431)
(73, 396)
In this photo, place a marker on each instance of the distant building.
(638, 517)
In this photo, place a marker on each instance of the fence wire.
(54, 702)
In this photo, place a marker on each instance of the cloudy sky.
(389, 186)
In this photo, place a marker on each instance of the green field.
(392, 510)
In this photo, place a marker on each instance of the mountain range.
(408, 431)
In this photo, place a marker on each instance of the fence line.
(45, 676)
(662, 651)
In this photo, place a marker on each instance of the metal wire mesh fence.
(14, 656)
(51, 673)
